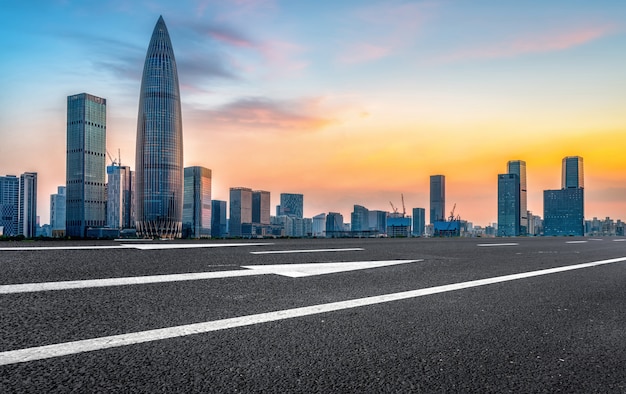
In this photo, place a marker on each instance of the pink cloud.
(547, 42)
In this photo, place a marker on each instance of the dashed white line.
(88, 345)
(501, 244)
(619, 240)
(576, 242)
(307, 251)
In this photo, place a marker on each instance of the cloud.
(265, 113)
(535, 43)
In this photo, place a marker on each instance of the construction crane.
(113, 162)
(395, 210)
(403, 207)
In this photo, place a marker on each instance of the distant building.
(219, 224)
(359, 219)
(240, 210)
(57, 213)
(319, 225)
(437, 198)
(378, 222)
(119, 197)
(197, 202)
(572, 173)
(9, 205)
(508, 205)
(261, 207)
(563, 212)
(419, 222)
(292, 205)
(518, 167)
(334, 225)
(85, 164)
(398, 226)
(27, 221)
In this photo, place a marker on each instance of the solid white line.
(576, 242)
(619, 240)
(502, 244)
(307, 251)
(159, 246)
(87, 345)
(91, 247)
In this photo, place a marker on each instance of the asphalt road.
(556, 332)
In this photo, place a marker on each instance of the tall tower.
(572, 173)
(437, 198)
(240, 210)
(28, 205)
(197, 203)
(9, 205)
(508, 205)
(119, 196)
(85, 164)
(518, 167)
(159, 158)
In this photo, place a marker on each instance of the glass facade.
(437, 198)
(508, 205)
(292, 205)
(27, 225)
(219, 225)
(334, 225)
(419, 221)
(9, 204)
(57, 212)
(159, 156)
(564, 212)
(119, 197)
(360, 219)
(85, 165)
(197, 203)
(240, 210)
(572, 173)
(261, 207)
(518, 167)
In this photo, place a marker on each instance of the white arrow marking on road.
(290, 270)
(88, 345)
(134, 246)
(307, 251)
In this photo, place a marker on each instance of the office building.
(563, 212)
(334, 225)
(27, 221)
(219, 224)
(359, 219)
(85, 164)
(261, 207)
(437, 198)
(197, 203)
(240, 210)
(518, 167)
(419, 222)
(319, 225)
(57, 213)
(159, 155)
(508, 205)
(292, 205)
(572, 173)
(378, 222)
(9, 205)
(119, 197)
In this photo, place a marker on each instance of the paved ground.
(557, 332)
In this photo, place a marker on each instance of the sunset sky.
(347, 102)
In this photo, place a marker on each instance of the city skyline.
(359, 112)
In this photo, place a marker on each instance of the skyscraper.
(359, 219)
(197, 203)
(292, 204)
(261, 207)
(119, 196)
(240, 210)
(334, 225)
(419, 221)
(159, 158)
(9, 204)
(508, 205)
(218, 219)
(27, 225)
(57, 212)
(572, 173)
(518, 167)
(437, 198)
(85, 164)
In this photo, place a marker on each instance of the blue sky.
(348, 102)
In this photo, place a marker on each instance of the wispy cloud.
(533, 43)
(247, 113)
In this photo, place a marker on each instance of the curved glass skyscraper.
(159, 159)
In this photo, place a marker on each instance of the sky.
(347, 102)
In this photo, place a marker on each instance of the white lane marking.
(595, 239)
(289, 270)
(134, 246)
(619, 240)
(88, 345)
(576, 242)
(502, 244)
(307, 251)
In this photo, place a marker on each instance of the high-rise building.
(563, 212)
(240, 210)
(197, 203)
(508, 205)
(378, 221)
(159, 158)
(334, 225)
(119, 197)
(572, 173)
(57, 212)
(9, 205)
(518, 167)
(261, 207)
(419, 221)
(85, 164)
(360, 219)
(292, 204)
(27, 221)
(437, 198)
(319, 225)
(219, 225)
